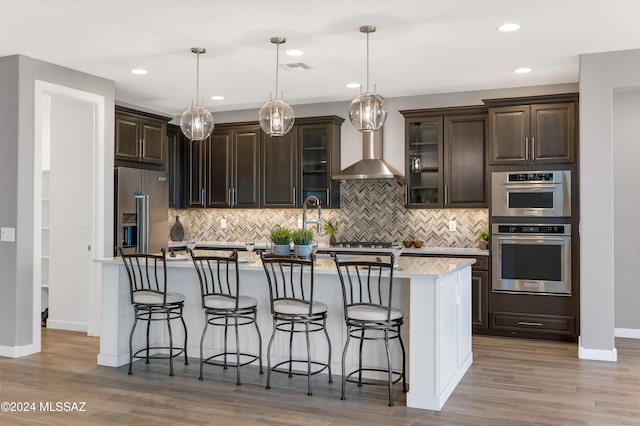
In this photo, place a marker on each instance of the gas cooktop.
(362, 244)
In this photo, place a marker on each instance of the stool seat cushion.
(152, 298)
(228, 302)
(371, 313)
(296, 307)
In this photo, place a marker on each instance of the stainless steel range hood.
(372, 166)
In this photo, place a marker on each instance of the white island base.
(434, 294)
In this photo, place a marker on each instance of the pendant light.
(367, 111)
(276, 117)
(197, 122)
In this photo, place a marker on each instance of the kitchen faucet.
(312, 201)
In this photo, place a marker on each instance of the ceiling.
(420, 47)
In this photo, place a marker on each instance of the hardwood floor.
(511, 382)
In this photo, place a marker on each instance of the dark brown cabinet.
(536, 133)
(224, 169)
(300, 164)
(177, 147)
(446, 157)
(140, 138)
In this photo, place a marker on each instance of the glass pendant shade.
(197, 123)
(368, 112)
(276, 118)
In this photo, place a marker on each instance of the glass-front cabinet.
(424, 168)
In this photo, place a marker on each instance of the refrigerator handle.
(142, 218)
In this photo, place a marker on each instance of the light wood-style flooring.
(511, 382)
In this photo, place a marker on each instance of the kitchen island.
(434, 294)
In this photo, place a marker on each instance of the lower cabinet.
(553, 324)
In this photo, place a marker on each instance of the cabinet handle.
(229, 199)
(406, 195)
(294, 196)
(526, 148)
(202, 197)
(446, 195)
(327, 192)
(141, 150)
(533, 324)
(233, 192)
(533, 147)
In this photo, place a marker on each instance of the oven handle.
(537, 187)
(520, 239)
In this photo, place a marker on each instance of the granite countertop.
(325, 248)
(408, 267)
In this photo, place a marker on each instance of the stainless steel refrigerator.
(141, 210)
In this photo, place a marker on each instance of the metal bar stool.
(224, 306)
(294, 310)
(367, 290)
(151, 301)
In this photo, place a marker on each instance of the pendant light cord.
(277, 66)
(367, 62)
(197, 78)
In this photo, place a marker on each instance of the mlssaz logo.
(63, 406)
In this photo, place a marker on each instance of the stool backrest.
(146, 272)
(289, 278)
(217, 271)
(366, 279)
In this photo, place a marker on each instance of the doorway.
(68, 208)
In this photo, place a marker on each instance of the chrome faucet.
(312, 201)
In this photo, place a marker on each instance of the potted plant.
(483, 239)
(281, 239)
(302, 239)
(330, 228)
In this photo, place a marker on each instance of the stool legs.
(259, 344)
(204, 331)
(269, 355)
(344, 360)
(135, 322)
(386, 347)
(326, 333)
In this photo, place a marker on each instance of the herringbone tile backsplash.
(372, 210)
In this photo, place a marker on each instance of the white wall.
(600, 75)
(626, 214)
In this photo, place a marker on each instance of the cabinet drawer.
(532, 322)
(482, 263)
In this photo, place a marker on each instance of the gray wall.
(17, 75)
(600, 75)
(626, 224)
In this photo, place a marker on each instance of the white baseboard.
(18, 351)
(66, 325)
(597, 354)
(629, 333)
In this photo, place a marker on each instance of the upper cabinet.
(140, 139)
(536, 130)
(177, 150)
(223, 170)
(446, 157)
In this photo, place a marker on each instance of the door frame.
(42, 91)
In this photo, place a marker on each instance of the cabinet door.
(315, 163)
(480, 300)
(153, 135)
(196, 172)
(127, 142)
(424, 171)
(246, 167)
(279, 174)
(552, 133)
(465, 161)
(509, 135)
(176, 146)
(219, 170)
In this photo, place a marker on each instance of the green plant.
(280, 236)
(302, 236)
(330, 227)
(483, 235)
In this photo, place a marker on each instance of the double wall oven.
(531, 257)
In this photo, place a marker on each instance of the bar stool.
(222, 303)
(367, 290)
(295, 310)
(151, 301)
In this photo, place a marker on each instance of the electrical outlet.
(452, 225)
(223, 223)
(299, 223)
(8, 234)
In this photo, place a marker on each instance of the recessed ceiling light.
(139, 71)
(353, 85)
(522, 70)
(217, 98)
(506, 28)
(294, 52)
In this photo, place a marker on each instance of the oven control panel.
(534, 229)
(531, 177)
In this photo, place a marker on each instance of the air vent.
(296, 66)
